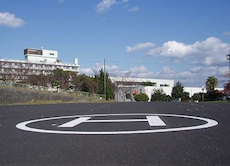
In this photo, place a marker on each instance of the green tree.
(211, 83)
(39, 80)
(141, 97)
(110, 87)
(61, 78)
(85, 83)
(213, 95)
(227, 87)
(159, 95)
(185, 96)
(197, 96)
(178, 92)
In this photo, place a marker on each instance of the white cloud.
(61, 1)
(171, 49)
(226, 33)
(223, 71)
(105, 5)
(141, 72)
(196, 76)
(134, 9)
(209, 52)
(10, 20)
(91, 71)
(113, 70)
(87, 71)
(140, 46)
(167, 70)
(185, 74)
(197, 69)
(97, 67)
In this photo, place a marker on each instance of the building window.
(164, 85)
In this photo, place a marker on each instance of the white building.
(193, 90)
(126, 88)
(37, 61)
(156, 82)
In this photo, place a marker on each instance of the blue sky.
(184, 40)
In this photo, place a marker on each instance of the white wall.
(158, 82)
(48, 56)
(149, 90)
(193, 90)
(40, 59)
(50, 53)
(75, 61)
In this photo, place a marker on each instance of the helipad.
(153, 121)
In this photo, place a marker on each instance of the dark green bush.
(159, 95)
(141, 97)
(213, 95)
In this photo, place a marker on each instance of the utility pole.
(104, 80)
(228, 58)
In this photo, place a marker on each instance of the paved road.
(209, 146)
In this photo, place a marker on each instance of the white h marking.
(152, 120)
(155, 121)
(75, 122)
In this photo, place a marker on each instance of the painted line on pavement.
(155, 121)
(75, 122)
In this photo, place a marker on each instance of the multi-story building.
(37, 61)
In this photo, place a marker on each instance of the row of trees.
(70, 80)
(177, 93)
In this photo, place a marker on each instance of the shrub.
(197, 96)
(213, 95)
(141, 97)
(159, 95)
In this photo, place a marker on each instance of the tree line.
(71, 81)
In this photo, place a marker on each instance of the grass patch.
(13, 96)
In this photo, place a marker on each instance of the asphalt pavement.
(141, 133)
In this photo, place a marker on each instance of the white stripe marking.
(116, 120)
(155, 121)
(75, 122)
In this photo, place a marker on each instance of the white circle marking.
(210, 123)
